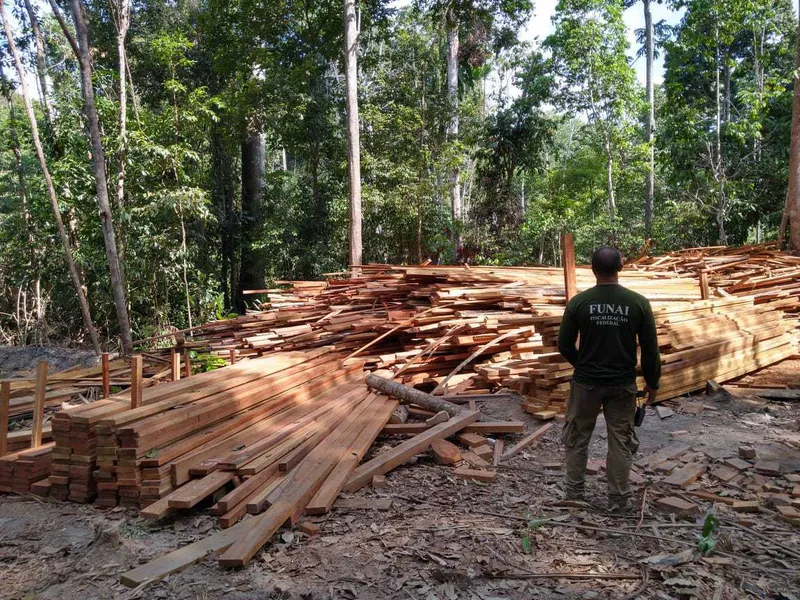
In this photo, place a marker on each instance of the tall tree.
(353, 138)
(122, 21)
(253, 268)
(453, 46)
(51, 191)
(41, 63)
(589, 47)
(487, 25)
(792, 209)
(649, 185)
(99, 168)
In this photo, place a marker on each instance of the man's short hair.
(606, 261)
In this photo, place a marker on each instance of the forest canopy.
(217, 131)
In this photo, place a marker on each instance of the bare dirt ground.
(19, 361)
(445, 538)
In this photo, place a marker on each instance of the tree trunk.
(41, 64)
(649, 191)
(793, 192)
(51, 191)
(612, 202)
(452, 127)
(123, 18)
(411, 395)
(99, 165)
(720, 211)
(223, 194)
(353, 136)
(253, 183)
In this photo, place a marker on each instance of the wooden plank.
(180, 559)
(686, 475)
(382, 464)
(527, 441)
(175, 365)
(105, 375)
(187, 364)
(363, 504)
(247, 488)
(498, 452)
(475, 474)
(379, 413)
(195, 491)
(568, 260)
(136, 381)
(297, 490)
(38, 404)
(704, 291)
(259, 501)
(5, 398)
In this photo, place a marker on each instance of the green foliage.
(207, 361)
(548, 132)
(707, 539)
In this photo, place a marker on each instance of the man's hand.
(651, 394)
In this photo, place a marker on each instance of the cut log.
(400, 415)
(445, 453)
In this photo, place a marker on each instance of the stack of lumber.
(19, 470)
(134, 456)
(283, 491)
(431, 325)
(75, 452)
(717, 339)
(761, 271)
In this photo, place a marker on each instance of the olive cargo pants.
(619, 407)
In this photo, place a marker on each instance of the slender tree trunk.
(720, 212)
(51, 191)
(185, 262)
(612, 202)
(453, 44)
(253, 185)
(41, 64)
(123, 18)
(99, 165)
(353, 134)
(649, 185)
(793, 192)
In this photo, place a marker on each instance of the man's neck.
(610, 280)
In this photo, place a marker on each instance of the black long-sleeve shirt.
(609, 319)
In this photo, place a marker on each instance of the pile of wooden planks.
(292, 473)
(20, 470)
(718, 339)
(762, 271)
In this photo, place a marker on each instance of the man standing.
(609, 319)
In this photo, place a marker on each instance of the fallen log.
(769, 394)
(412, 396)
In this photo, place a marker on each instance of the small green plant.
(533, 525)
(207, 362)
(710, 527)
